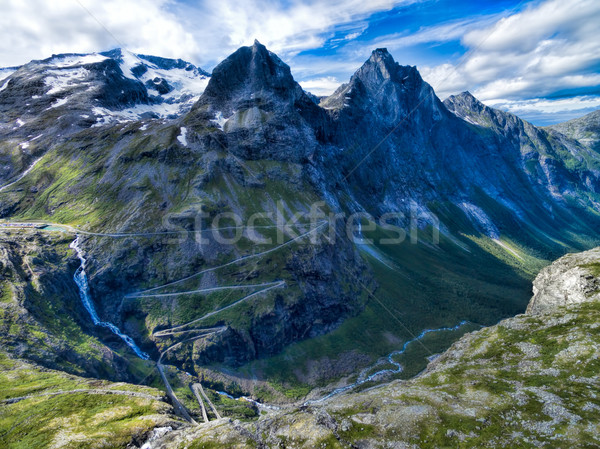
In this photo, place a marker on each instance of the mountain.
(586, 130)
(264, 113)
(261, 242)
(159, 178)
(46, 100)
(117, 84)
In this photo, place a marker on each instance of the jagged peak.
(248, 73)
(464, 96)
(381, 55)
(380, 61)
(467, 107)
(459, 101)
(379, 69)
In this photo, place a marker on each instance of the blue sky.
(539, 59)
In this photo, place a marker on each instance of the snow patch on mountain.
(70, 60)
(4, 75)
(136, 87)
(162, 111)
(58, 103)
(128, 62)
(220, 121)
(182, 138)
(4, 85)
(181, 79)
(480, 219)
(61, 80)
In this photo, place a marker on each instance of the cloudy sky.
(539, 59)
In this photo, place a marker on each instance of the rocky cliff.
(573, 279)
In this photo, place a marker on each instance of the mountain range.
(443, 214)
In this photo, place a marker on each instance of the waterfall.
(81, 280)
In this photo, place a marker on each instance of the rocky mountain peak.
(250, 74)
(381, 68)
(463, 101)
(384, 88)
(254, 90)
(383, 61)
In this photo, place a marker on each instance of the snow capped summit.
(98, 88)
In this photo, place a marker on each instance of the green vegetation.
(149, 184)
(77, 419)
(475, 274)
(593, 268)
(530, 381)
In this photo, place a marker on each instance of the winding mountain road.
(201, 332)
(233, 262)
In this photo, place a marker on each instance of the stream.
(259, 405)
(390, 359)
(81, 280)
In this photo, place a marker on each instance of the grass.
(94, 420)
(593, 268)
(79, 419)
(407, 300)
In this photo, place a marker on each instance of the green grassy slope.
(55, 415)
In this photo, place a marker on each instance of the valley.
(241, 253)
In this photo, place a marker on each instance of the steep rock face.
(417, 152)
(253, 98)
(560, 164)
(154, 183)
(572, 279)
(42, 318)
(388, 89)
(586, 130)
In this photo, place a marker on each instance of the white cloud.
(203, 32)
(36, 29)
(547, 112)
(321, 86)
(351, 56)
(548, 48)
(547, 106)
(286, 28)
(444, 32)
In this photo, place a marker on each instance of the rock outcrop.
(572, 279)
